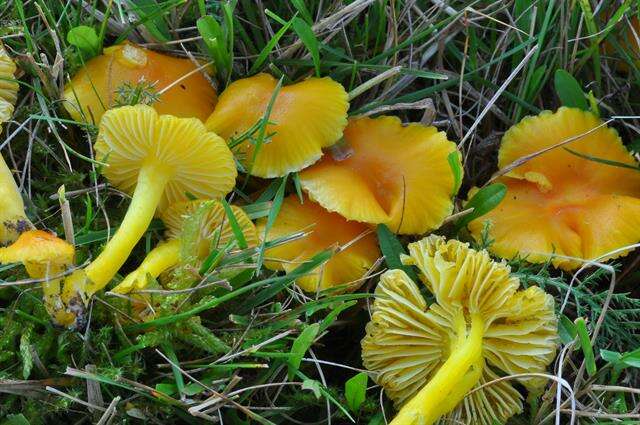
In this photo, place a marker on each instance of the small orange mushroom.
(394, 174)
(563, 203)
(94, 89)
(46, 257)
(306, 117)
(357, 245)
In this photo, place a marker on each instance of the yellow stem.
(160, 259)
(146, 197)
(13, 219)
(452, 381)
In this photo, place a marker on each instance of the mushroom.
(214, 231)
(13, 219)
(394, 174)
(357, 245)
(159, 159)
(305, 117)
(44, 256)
(561, 202)
(429, 357)
(94, 88)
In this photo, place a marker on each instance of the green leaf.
(152, 16)
(300, 347)
(455, 162)
(25, 351)
(392, 249)
(312, 385)
(309, 39)
(632, 359)
(215, 39)
(566, 330)
(85, 39)
(235, 226)
(355, 390)
(271, 218)
(482, 202)
(264, 53)
(603, 160)
(303, 10)
(585, 343)
(612, 357)
(569, 90)
(166, 388)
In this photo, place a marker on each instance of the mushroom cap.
(94, 88)
(306, 117)
(8, 86)
(326, 230)
(561, 203)
(199, 162)
(396, 174)
(40, 252)
(214, 225)
(407, 340)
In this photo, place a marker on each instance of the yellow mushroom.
(429, 357)
(13, 219)
(306, 117)
(394, 174)
(94, 89)
(214, 231)
(44, 256)
(559, 203)
(159, 159)
(357, 245)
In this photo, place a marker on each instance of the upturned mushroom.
(566, 202)
(357, 247)
(214, 231)
(44, 256)
(305, 118)
(95, 88)
(431, 359)
(13, 219)
(392, 173)
(159, 159)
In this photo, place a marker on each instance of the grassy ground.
(472, 68)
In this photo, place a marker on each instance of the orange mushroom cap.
(396, 174)
(41, 252)
(306, 117)
(94, 88)
(561, 203)
(326, 229)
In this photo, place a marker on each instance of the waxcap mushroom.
(396, 174)
(159, 159)
(41, 253)
(13, 219)
(94, 88)
(44, 256)
(306, 117)
(358, 247)
(428, 357)
(214, 230)
(560, 203)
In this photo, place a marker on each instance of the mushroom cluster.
(179, 158)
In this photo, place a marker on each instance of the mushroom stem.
(161, 258)
(146, 197)
(454, 379)
(13, 219)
